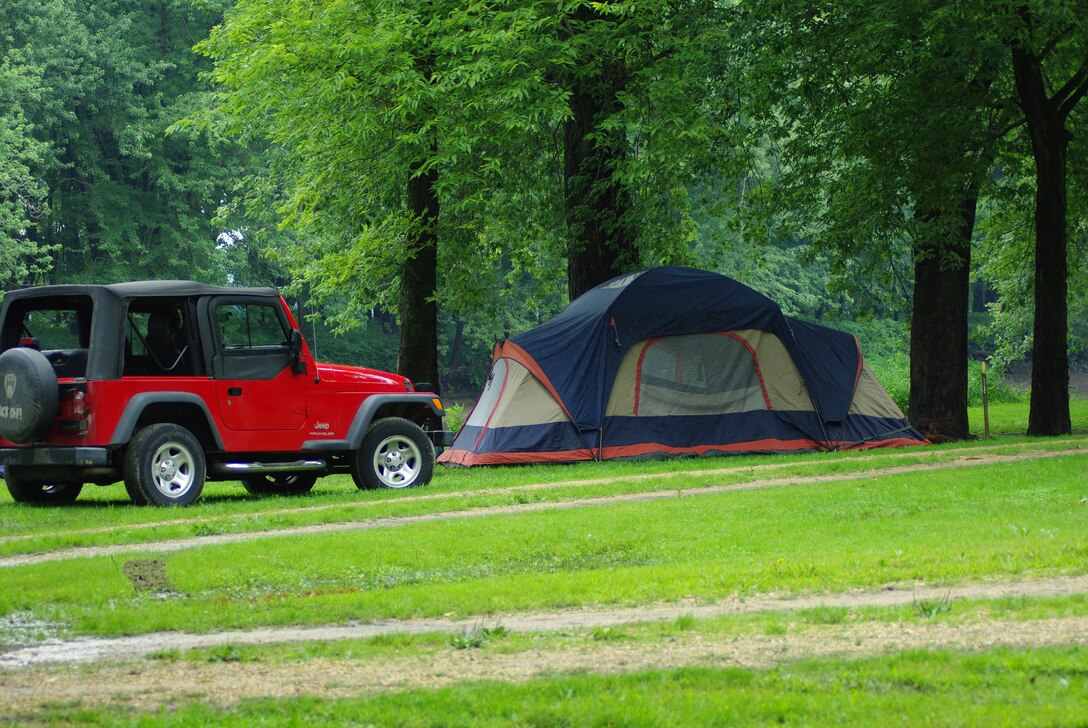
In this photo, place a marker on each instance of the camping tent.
(672, 361)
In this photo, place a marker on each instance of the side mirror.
(294, 345)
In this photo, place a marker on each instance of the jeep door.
(251, 361)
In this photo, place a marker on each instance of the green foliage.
(456, 414)
(355, 98)
(931, 608)
(110, 195)
(22, 195)
(870, 110)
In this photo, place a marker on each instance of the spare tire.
(28, 395)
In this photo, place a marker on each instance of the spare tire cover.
(28, 395)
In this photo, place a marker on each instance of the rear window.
(59, 327)
(49, 325)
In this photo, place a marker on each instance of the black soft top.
(135, 289)
(107, 332)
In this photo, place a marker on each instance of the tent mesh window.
(700, 374)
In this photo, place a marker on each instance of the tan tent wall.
(780, 377)
(522, 400)
(871, 399)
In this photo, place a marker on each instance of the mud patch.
(21, 628)
(148, 576)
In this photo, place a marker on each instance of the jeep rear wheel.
(395, 454)
(164, 466)
(280, 484)
(28, 395)
(25, 488)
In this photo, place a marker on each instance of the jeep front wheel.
(25, 488)
(164, 466)
(395, 454)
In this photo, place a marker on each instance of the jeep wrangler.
(166, 384)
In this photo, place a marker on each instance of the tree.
(639, 78)
(1049, 48)
(123, 199)
(885, 120)
(21, 193)
(379, 116)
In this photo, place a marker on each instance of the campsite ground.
(906, 586)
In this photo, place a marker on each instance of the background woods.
(432, 176)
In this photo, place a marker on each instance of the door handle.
(234, 391)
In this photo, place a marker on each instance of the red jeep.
(166, 384)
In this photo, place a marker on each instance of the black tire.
(28, 395)
(25, 488)
(164, 466)
(280, 483)
(395, 453)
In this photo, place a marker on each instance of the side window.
(249, 326)
(252, 340)
(158, 340)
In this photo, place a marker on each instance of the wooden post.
(985, 405)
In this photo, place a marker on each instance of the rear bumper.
(88, 456)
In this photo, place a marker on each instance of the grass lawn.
(997, 688)
(859, 520)
(942, 526)
(1012, 419)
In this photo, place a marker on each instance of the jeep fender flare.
(126, 425)
(364, 416)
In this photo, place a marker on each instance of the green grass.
(941, 526)
(1000, 688)
(29, 529)
(1012, 418)
(992, 521)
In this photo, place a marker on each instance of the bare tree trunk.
(938, 330)
(417, 358)
(1049, 412)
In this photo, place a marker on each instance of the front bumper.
(88, 456)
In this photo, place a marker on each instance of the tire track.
(182, 544)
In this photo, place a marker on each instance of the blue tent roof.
(580, 350)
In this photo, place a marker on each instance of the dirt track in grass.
(968, 460)
(96, 672)
(122, 677)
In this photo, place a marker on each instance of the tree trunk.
(457, 348)
(602, 243)
(417, 358)
(938, 328)
(1049, 412)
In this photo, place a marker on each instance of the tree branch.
(1054, 42)
(1073, 90)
